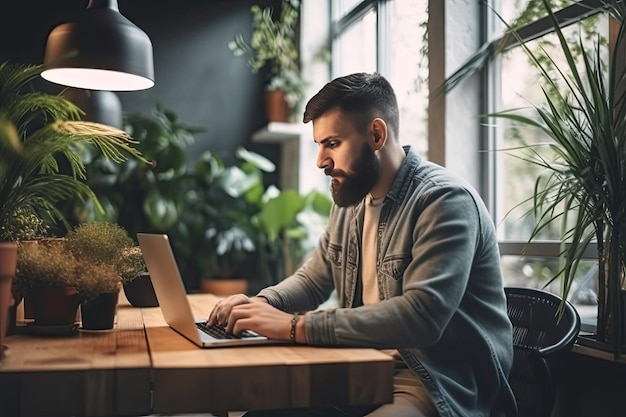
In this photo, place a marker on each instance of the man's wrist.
(292, 328)
(300, 332)
(259, 298)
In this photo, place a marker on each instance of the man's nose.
(323, 161)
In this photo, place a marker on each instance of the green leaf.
(9, 137)
(258, 160)
(162, 212)
(236, 182)
(280, 212)
(319, 203)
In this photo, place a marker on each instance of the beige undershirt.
(406, 383)
(368, 249)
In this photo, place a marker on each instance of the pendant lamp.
(100, 106)
(99, 50)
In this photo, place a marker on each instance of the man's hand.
(261, 318)
(240, 312)
(221, 312)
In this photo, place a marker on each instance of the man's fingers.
(235, 313)
(241, 325)
(260, 318)
(213, 315)
(221, 312)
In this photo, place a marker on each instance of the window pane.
(355, 49)
(521, 88)
(537, 272)
(409, 70)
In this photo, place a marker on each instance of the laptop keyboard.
(219, 332)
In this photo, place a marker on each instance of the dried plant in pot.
(108, 247)
(47, 273)
(107, 258)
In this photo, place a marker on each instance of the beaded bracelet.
(292, 332)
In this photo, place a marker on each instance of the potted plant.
(107, 258)
(24, 226)
(40, 163)
(104, 244)
(93, 259)
(272, 48)
(47, 273)
(235, 227)
(214, 234)
(582, 188)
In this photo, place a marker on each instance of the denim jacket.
(442, 303)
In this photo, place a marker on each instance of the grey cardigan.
(440, 283)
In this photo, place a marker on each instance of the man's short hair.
(361, 96)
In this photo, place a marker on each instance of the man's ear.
(379, 132)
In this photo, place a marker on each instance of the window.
(516, 84)
(387, 36)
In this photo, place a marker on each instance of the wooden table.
(259, 377)
(117, 372)
(104, 373)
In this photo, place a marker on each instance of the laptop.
(172, 297)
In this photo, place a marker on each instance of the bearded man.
(412, 253)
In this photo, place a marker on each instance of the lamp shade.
(99, 50)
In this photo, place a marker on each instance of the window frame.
(353, 17)
(379, 17)
(488, 79)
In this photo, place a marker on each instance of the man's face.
(346, 156)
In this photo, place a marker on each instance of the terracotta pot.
(46, 242)
(99, 312)
(140, 292)
(54, 306)
(224, 287)
(8, 262)
(276, 106)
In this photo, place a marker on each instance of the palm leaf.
(37, 132)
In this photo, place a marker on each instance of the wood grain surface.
(143, 367)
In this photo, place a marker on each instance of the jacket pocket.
(335, 254)
(394, 266)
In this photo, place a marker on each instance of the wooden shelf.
(597, 353)
(298, 155)
(277, 132)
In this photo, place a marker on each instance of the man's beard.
(349, 189)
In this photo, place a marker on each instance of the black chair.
(541, 340)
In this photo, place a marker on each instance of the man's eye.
(333, 144)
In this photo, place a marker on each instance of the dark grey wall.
(196, 74)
